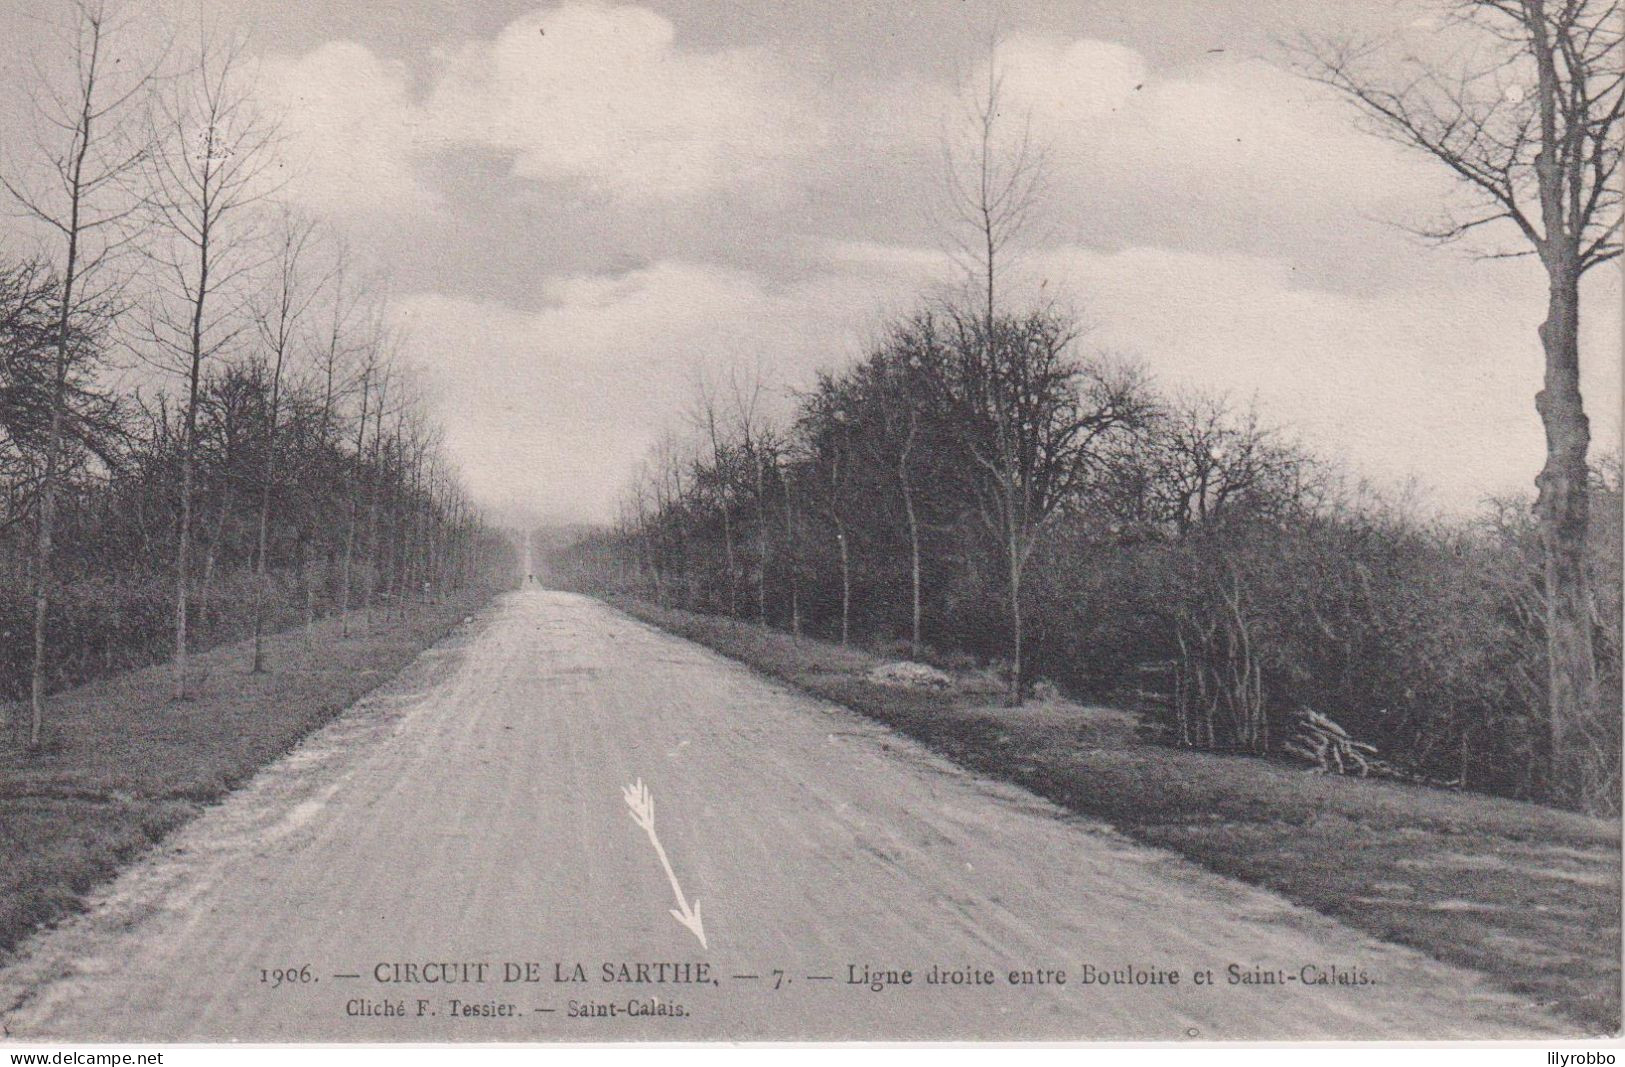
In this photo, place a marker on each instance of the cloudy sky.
(583, 203)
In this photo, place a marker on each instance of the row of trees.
(205, 417)
(1054, 515)
(977, 484)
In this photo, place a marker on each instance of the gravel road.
(445, 859)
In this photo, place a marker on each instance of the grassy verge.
(123, 764)
(1528, 895)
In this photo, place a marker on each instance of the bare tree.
(215, 149)
(384, 375)
(1528, 120)
(826, 428)
(908, 379)
(995, 182)
(759, 449)
(905, 483)
(277, 316)
(707, 416)
(369, 374)
(792, 557)
(671, 490)
(1203, 458)
(89, 147)
(637, 526)
(1037, 423)
(351, 304)
(349, 325)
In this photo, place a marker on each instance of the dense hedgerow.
(1199, 565)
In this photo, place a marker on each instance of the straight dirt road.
(445, 860)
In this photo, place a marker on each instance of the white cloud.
(352, 130)
(606, 95)
(582, 92)
(1065, 83)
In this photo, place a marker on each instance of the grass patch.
(123, 764)
(1527, 894)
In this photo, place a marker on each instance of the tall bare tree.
(385, 375)
(792, 556)
(826, 426)
(1526, 115)
(369, 385)
(90, 143)
(708, 417)
(996, 181)
(349, 305)
(277, 315)
(215, 149)
(997, 174)
(759, 450)
(670, 468)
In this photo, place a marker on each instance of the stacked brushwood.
(1330, 748)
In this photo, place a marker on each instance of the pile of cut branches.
(1330, 748)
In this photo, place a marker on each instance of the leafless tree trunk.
(347, 574)
(1038, 425)
(906, 483)
(755, 443)
(332, 354)
(1534, 134)
(310, 589)
(290, 297)
(370, 583)
(215, 151)
(791, 558)
(837, 472)
(1015, 561)
(846, 582)
(84, 204)
(721, 467)
(761, 539)
(210, 557)
(994, 186)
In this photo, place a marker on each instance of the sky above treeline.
(583, 204)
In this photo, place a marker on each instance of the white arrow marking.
(642, 803)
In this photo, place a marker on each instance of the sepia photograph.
(626, 522)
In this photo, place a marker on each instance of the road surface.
(444, 861)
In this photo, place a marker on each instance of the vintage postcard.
(556, 521)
